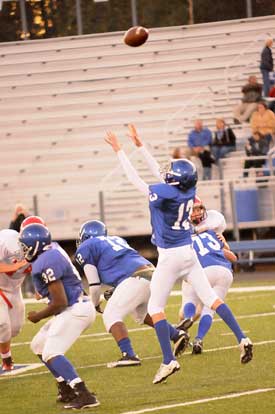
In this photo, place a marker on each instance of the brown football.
(136, 36)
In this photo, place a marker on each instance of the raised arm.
(152, 163)
(128, 168)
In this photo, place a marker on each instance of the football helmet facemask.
(92, 228)
(182, 173)
(199, 212)
(34, 240)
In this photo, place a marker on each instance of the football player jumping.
(55, 278)
(171, 204)
(13, 270)
(109, 260)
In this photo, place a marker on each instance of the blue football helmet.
(182, 173)
(90, 229)
(34, 240)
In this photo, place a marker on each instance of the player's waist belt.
(145, 272)
(5, 299)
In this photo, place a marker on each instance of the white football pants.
(11, 319)
(61, 331)
(175, 263)
(130, 297)
(220, 279)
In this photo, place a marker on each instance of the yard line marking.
(223, 348)
(108, 337)
(243, 289)
(201, 401)
(179, 293)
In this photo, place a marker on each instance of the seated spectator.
(257, 145)
(181, 152)
(252, 93)
(224, 140)
(185, 152)
(199, 141)
(263, 121)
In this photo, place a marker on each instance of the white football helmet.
(9, 245)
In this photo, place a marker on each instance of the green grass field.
(202, 378)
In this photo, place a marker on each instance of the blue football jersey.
(114, 259)
(209, 250)
(170, 209)
(52, 265)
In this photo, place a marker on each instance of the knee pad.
(37, 345)
(47, 354)
(5, 332)
(110, 317)
(154, 308)
(15, 330)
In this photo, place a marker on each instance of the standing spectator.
(256, 145)
(199, 141)
(263, 121)
(224, 140)
(20, 213)
(266, 64)
(252, 93)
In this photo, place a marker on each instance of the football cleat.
(65, 392)
(197, 346)
(181, 344)
(185, 324)
(125, 361)
(246, 348)
(7, 364)
(84, 398)
(165, 370)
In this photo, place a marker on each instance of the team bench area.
(253, 247)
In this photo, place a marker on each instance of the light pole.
(24, 22)
(79, 17)
(249, 8)
(134, 13)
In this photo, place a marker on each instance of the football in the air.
(136, 36)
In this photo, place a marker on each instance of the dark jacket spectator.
(224, 140)
(257, 145)
(252, 93)
(266, 65)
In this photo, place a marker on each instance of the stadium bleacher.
(59, 96)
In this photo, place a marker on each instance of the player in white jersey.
(215, 257)
(170, 206)
(12, 310)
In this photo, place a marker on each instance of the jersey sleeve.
(84, 255)
(132, 173)
(158, 193)
(151, 162)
